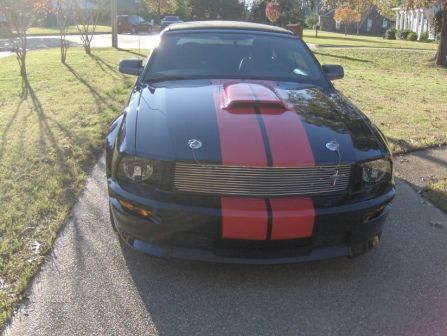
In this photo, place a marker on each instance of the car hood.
(252, 124)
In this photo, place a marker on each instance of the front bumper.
(193, 233)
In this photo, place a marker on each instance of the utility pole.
(114, 13)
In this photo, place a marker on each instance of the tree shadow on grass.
(350, 39)
(45, 129)
(133, 52)
(342, 57)
(8, 127)
(401, 145)
(99, 99)
(105, 67)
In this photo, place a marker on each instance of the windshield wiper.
(164, 78)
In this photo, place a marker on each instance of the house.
(419, 20)
(373, 23)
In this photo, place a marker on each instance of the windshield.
(233, 55)
(136, 19)
(171, 18)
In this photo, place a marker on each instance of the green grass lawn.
(71, 30)
(48, 139)
(400, 90)
(46, 144)
(330, 39)
(437, 193)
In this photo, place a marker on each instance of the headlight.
(376, 171)
(136, 169)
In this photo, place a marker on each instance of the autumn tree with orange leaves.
(347, 15)
(362, 7)
(20, 15)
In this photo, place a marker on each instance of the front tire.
(149, 29)
(133, 30)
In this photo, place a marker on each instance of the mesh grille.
(261, 181)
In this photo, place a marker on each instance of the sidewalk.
(426, 169)
(34, 43)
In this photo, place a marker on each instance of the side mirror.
(131, 67)
(333, 71)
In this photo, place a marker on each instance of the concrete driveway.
(91, 285)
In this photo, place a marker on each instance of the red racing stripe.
(241, 144)
(287, 138)
(240, 137)
(292, 218)
(244, 218)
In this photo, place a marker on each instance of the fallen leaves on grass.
(3, 285)
(36, 247)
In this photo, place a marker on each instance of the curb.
(68, 34)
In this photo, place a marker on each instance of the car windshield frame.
(321, 80)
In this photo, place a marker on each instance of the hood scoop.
(243, 95)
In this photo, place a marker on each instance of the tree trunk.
(22, 55)
(87, 48)
(346, 28)
(23, 64)
(64, 45)
(441, 56)
(63, 52)
(358, 28)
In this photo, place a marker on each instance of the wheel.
(133, 30)
(149, 29)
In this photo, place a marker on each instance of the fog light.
(135, 209)
(374, 214)
(126, 205)
(143, 212)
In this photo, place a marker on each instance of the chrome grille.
(261, 181)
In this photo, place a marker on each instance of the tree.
(272, 11)
(62, 9)
(20, 15)
(362, 7)
(87, 13)
(162, 7)
(291, 12)
(314, 19)
(183, 9)
(347, 15)
(385, 8)
(216, 9)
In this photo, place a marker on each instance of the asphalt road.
(91, 285)
(125, 41)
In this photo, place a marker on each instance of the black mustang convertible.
(235, 147)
